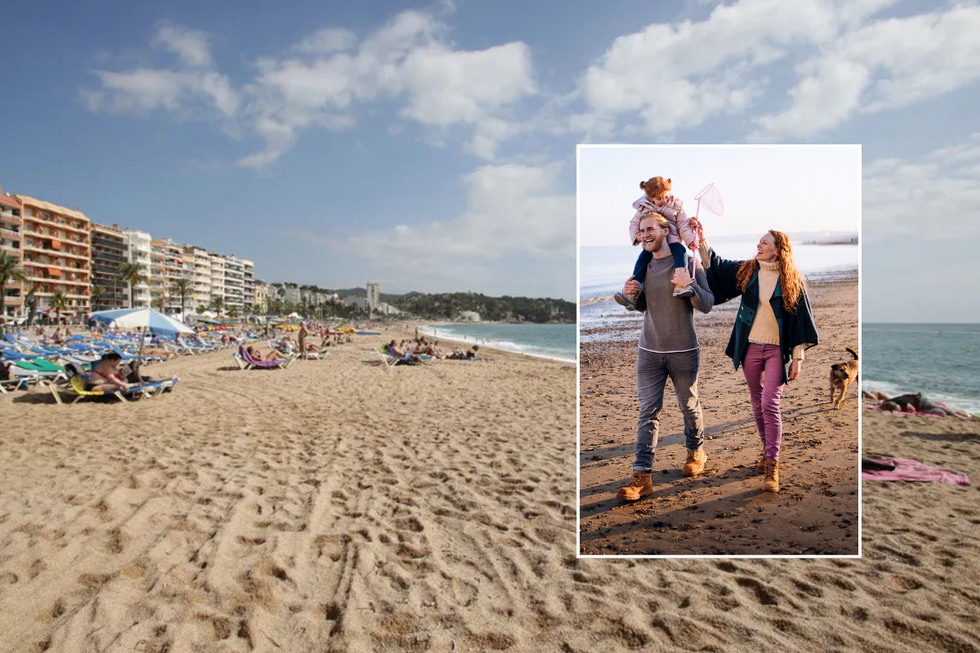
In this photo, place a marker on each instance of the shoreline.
(430, 329)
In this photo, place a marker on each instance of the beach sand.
(723, 510)
(337, 506)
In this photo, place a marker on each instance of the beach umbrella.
(142, 318)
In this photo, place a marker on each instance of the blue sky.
(431, 146)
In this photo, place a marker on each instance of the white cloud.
(932, 199)
(517, 231)
(327, 40)
(329, 77)
(510, 209)
(680, 75)
(843, 60)
(194, 87)
(884, 65)
(189, 45)
(408, 59)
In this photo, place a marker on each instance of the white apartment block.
(177, 266)
(217, 277)
(140, 252)
(199, 262)
(248, 285)
(234, 283)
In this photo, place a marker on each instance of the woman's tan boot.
(760, 467)
(771, 484)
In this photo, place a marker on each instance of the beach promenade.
(340, 506)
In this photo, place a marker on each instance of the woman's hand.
(794, 368)
(698, 229)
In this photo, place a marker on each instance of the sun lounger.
(254, 363)
(76, 387)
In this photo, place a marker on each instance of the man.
(668, 347)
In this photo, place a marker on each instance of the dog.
(842, 375)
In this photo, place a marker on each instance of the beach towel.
(913, 470)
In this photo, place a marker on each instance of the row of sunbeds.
(28, 363)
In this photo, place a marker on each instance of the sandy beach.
(723, 510)
(334, 505)
(337, 506)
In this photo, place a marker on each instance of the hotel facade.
(56, 250)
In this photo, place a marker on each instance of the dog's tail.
(853, 353)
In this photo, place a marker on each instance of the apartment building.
(140, 252)
(109, 251)
(177, 267)
(199, 262)
(234, 284)
(260, 302)
(248, 285)
(218, 281)
(56, 251)
(159, 288)
(12, 294)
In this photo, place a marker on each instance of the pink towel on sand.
(913, 470)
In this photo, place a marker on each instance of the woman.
(773, 327)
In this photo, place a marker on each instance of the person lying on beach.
(913, 403)
(105, 375)
(275, 354)
(402, 355)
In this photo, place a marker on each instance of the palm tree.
(96, 295)
(10, 270)
(217, 304)
(131, 273)
(182, 288)
(59, 302)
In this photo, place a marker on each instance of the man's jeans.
(652, 371)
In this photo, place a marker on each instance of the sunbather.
(402, 355)
(913, 403)
(105, 375)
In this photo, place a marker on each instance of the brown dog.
(842, 375)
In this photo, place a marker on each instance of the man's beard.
(656, 244)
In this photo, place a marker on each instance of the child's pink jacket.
(677, 220)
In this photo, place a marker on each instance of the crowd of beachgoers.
(110, 360)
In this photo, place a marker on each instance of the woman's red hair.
(791, 280)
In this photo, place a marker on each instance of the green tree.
(217, 304)
(96, 296)
(59, 302)
(182, 288)
(10, 270)
(131, 273)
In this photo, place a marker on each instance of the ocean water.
(554, 341)
(603, 270)
(942, 361)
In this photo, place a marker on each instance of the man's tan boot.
(695, 462)
(760, 466)
(639, 487)
(771, 484)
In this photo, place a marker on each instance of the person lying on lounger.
(275, 354)
(105, 375)
(402, 355)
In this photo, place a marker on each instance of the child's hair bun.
(643, 185)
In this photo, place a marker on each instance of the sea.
(603, 270)
(552, 341)
(942, 361)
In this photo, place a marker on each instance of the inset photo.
(719, 350)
